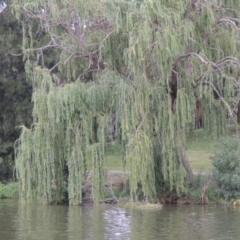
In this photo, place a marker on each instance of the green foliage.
(212, 194)
(9, 190)
(136, 62)
(120, 194)
(15, 91)
(226, 168)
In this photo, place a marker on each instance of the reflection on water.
(117, 224)
(33, 221)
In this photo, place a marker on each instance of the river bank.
(201, 191)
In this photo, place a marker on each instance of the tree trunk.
(238, 114)
(183, 155)
(186, 163)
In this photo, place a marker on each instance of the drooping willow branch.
(230, 111)
(231, 21)
(140, 42)
(214, 66)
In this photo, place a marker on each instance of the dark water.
(32, 221)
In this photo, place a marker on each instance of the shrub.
(226, 167)
(9, 190)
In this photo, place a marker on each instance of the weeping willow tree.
(140, 63)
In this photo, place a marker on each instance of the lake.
(49, 222)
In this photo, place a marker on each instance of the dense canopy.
(15, 91)
(130, 69)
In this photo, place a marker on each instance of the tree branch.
(231, 21)
(220, 96)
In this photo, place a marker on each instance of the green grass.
(113, 157)
(199, 149)
(201, 146)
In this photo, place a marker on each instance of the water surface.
(106, 222)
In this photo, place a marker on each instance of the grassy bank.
(199, 149)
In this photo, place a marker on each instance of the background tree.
(15, 91)
(142, 64)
